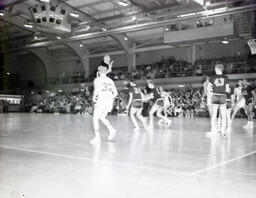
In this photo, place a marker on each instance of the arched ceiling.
(99, 16)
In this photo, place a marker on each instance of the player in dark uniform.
(136, 104)
(219, 85)
(249, 93)
(157, 105)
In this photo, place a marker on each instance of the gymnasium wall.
(31, 71)
(203, 51)
(219, 50)
(149, 57)
(59, 61)
(26, 69)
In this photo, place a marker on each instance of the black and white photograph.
(127, 98)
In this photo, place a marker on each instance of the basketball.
(107, 59)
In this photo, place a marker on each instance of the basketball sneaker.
(112, 134)
(95, 140)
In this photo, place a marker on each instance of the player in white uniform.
(238, 99)
(167, 104)
(157, 106)
(208, 94)
(104, 93)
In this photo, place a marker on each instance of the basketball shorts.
(229, 104)
(248, 101)
(241, 103)
(137, 104)
(209, 99)
(105, 106)
(219, 99)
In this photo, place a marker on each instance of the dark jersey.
(135, 92)
(148, 90)
(219, 83)
(156, 94)
(247, 92)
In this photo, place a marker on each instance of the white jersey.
(208, 92)
(238, 93)
(104, 90)
(167, 98)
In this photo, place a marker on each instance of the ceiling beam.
(142, 7)
(13, 3)
(123, 15)
(86, 15)
(17, 22)
(91, 4)
(143, 26)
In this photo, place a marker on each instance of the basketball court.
(47, 155)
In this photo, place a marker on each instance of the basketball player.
(136, 103)
(157, 106)
(104, 93)
(208, 94)
(167, 103)
(249, 93)
(230, 100)
(219, 85)
(238, 99)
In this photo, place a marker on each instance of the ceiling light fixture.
(47, 1)
(125, 38)
(81, 45)
(187, 15)
(1, 14)
(74, 14)
(8, 73)
(28, 25)
(167, 29)
(104, 29)
(134, 18)
(225, 41)
(58, 37)
(123, 3)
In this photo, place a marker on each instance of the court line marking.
(222, 164)
(96, 160)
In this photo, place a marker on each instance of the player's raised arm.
(110, 67)
(107, 60)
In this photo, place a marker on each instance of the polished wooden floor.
(49, 156)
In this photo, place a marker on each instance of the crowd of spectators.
(169, 67)
(67, 77)
(78, 101)
(187, 102)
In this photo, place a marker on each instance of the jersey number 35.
(107, 87)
